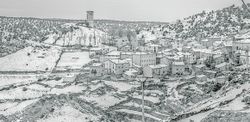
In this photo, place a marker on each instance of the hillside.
(224, 22)
(75, 35)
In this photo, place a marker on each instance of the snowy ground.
(73, 60)
(69, 89)
(20, 93)
(7, 79)
(30, 59)
(13, 107)
(69, 114)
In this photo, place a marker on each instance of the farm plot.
(73, 60)
(30, 59)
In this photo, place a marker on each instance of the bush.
(58, 78)
(25, 89)
(246, 100)
(217, 87)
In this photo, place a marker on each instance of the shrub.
(25, 89)
(246, 100)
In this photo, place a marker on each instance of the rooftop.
(245, 41)
(221, 65)
(131, 72)
(157, 66)
(114, 53)
(119, 61)
(142, 53)
(203, 50)
(153, 45)
(97, 64)
(178, 63)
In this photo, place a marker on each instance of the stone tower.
(90, 19)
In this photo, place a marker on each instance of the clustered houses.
(169, 57)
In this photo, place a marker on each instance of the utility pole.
(143, 83)
(143, 80)
(247, 59)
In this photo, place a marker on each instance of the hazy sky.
(150, 10)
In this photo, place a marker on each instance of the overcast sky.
(148, 10)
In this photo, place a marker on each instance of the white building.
(207, 43)
(218, 59)
(241, 45)
(155, 70)
(117, 66)
(203, 53)
(97, 69)
(170, 57)
(188, 58)
(110, 55)
(150, 48)
(178, 68)
(178, 44)
(144, 59)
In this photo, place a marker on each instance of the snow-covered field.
(16, 79)
(53, 83)
(73, 60)
(69, 89)
(12, 107)
(30, 59)
(20, 93)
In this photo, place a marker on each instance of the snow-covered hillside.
(75, 35)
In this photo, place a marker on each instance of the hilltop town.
(194, 70)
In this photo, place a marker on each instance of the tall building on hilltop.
(90, 18)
